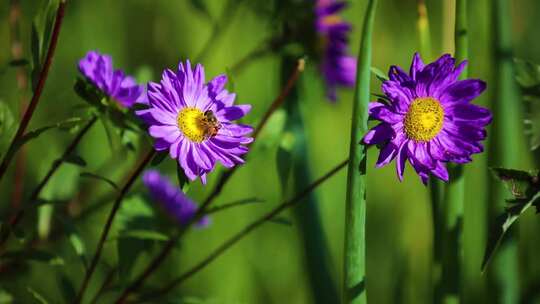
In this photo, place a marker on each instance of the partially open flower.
(173, 201)
(429, 118)
(98, 69)
(193, 120)
(337, 67)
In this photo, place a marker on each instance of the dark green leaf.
(37, 296)
(35, 256)
(40, 37)
(183, 181)
(201, 6)
(281, 221)
(75, 160)
(521, 184)
(160, 156)
(101, 178)
(18, 62)
(504, 222)
(63, 125)
(88, 92)
(527, 73)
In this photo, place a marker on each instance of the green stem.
(508, 149)
(307, 215)
(452, 250)
(422, 25)
(355, 212)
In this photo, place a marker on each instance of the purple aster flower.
(173, 201)
(98, 69)
(338, 68)
(429, 118)
(193, 120)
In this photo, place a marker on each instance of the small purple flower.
(429, 118)
(173, 201)
(98, 69)
(338, 68)
(193, 120)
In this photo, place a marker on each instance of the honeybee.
(210, 124)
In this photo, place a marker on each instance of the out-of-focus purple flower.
(173, 201)
(337, 67)
(98, 69)
(193, 120)
(429, 118)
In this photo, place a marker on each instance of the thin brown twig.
(38, 91)
(125, 189)
(246, 230)
(156, 262)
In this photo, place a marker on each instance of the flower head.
(98, 69)
(428, 118)
(193, 120)
(173, 201)
(338, 68)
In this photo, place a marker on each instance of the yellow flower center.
(424, 120)
(191, 123)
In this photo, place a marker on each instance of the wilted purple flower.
(429, 118)
(338, 68)
(174, 202)
(98, 69)
(192, 119)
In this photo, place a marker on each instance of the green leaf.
(75, 160)
(88, 93)
(37, 296)
(527, 73)
(101, 178)
(183, 181)
(271, 135)
(160, 156)
(504, 222)
(281, 221)
(63, 125)
(379, 74)
(34, 256)
(521, 184)
(5, 297)
(143, 234)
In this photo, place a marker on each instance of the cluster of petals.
(98, 69)
(428, 118)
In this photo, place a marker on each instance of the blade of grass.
(452, 250)
(355, 210)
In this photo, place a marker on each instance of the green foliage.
(34, 255)
(7, 124)
(37, 296)
(525, 189)
(100, 178)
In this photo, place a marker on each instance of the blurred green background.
(144, 37)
